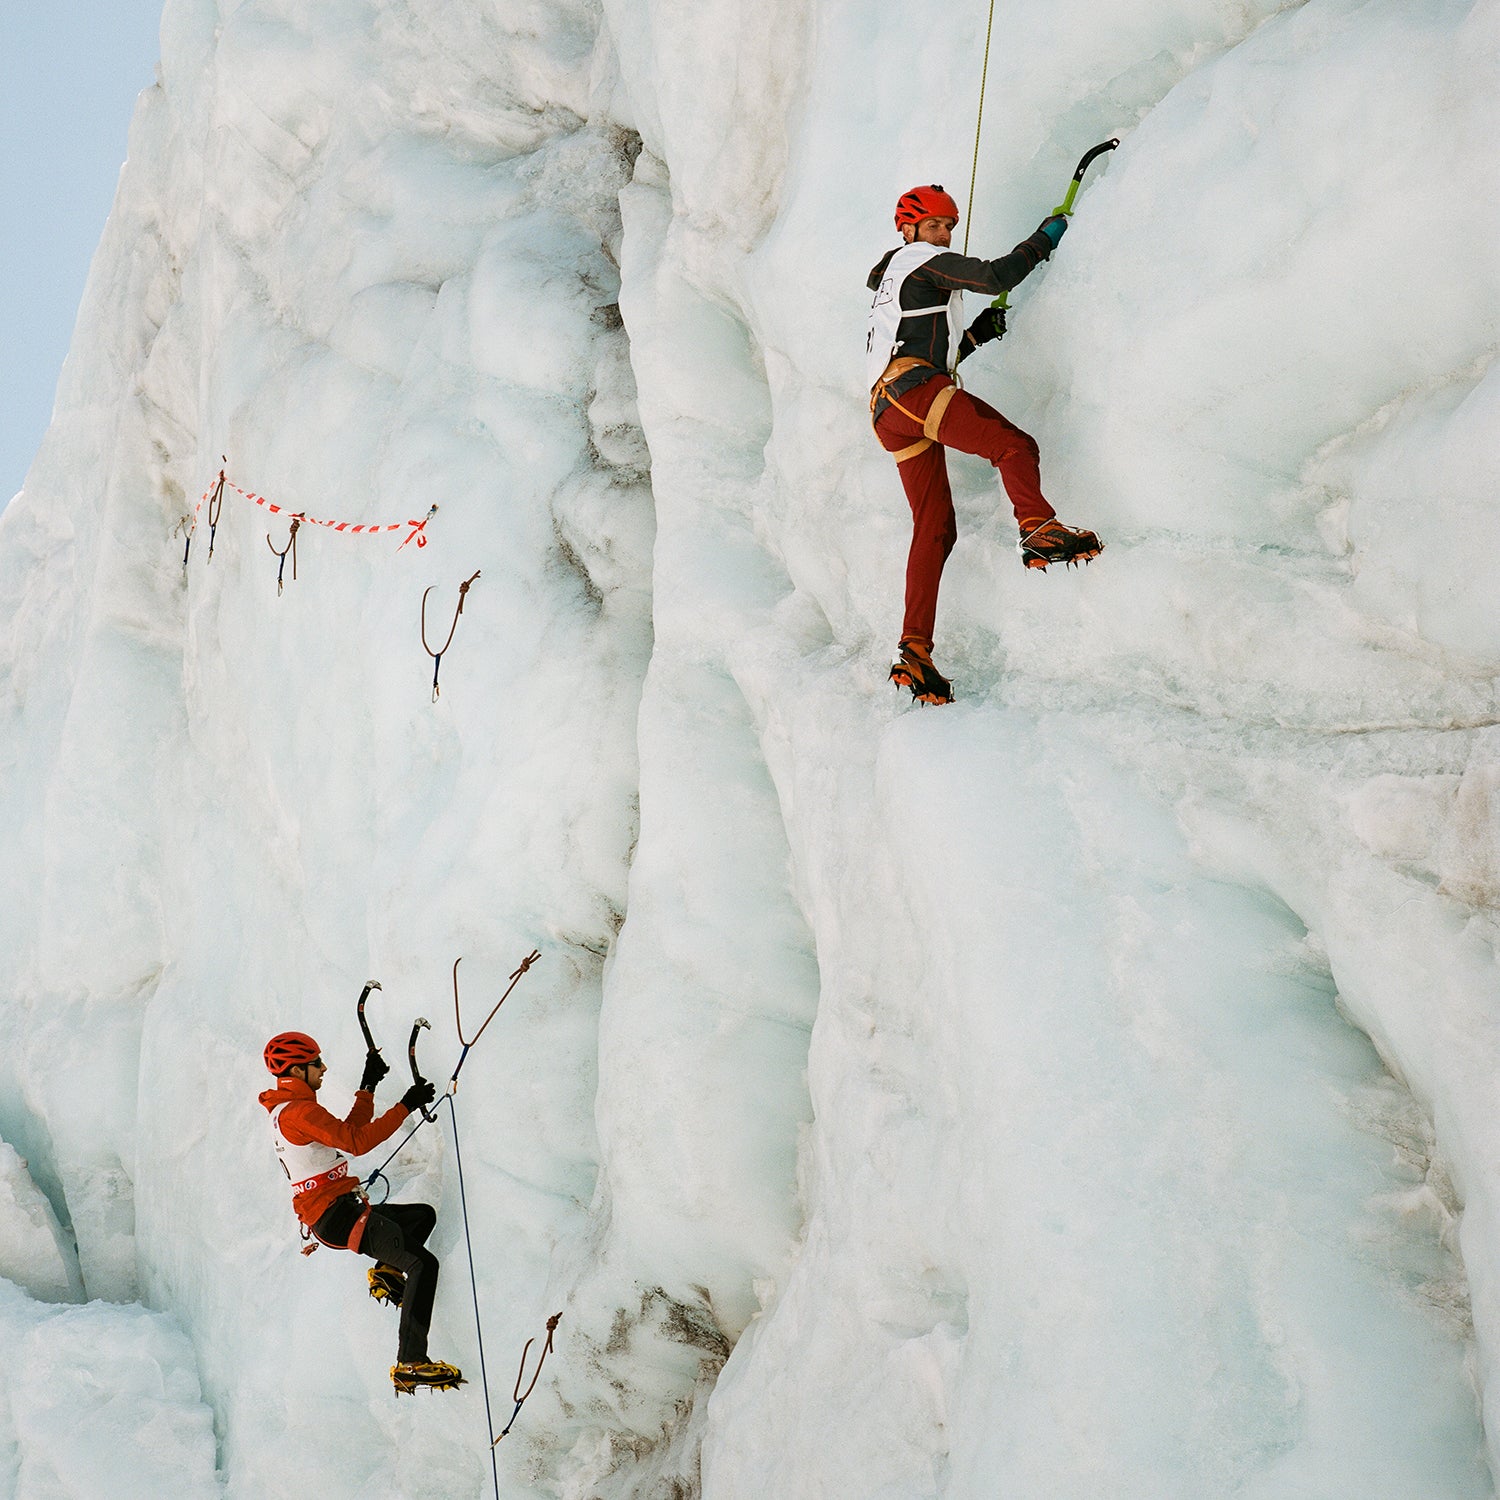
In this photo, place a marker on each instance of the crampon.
(425, 1374)
(913, 669)
(1052, 542)
(387, 1284)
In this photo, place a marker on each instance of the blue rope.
(380, 1170)
(426, 1119)
(474, 1285)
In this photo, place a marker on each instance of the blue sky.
(70, 71)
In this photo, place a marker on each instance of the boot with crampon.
(387, 1284)
(913, 669)
(425, 1374)
(1049, 541)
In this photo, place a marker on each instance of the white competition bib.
(886, 311)
(307, 1166)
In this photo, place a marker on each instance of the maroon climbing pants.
(971, 427)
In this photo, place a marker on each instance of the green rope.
(979, 123)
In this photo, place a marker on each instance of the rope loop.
(215, 505)
(437, 656)
(291, 546)
(516, 1394)
(458, 1024)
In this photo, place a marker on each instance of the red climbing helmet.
(920, 203)
(289, 1049)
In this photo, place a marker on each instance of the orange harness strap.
(930, 423)
(356, 1233)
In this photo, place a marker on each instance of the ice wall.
(1085, 1089)
(1212, 378)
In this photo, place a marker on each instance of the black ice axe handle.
(411, 1056)
(364, 1025)
(1066, 206)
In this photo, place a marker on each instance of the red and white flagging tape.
(413, 529)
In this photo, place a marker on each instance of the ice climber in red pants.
(916, 340)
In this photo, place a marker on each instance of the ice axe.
(364, 1025)
(411, 1056)
(1066, 206)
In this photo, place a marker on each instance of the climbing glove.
(376, 1067)
(418, 1096)
(990, 324)
(1054, 227)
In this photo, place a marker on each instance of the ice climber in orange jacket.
(312, 1145)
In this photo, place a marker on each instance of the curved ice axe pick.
(411, 1057)
(1066, 206)
(364, 1025)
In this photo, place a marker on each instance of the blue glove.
(1055, 228)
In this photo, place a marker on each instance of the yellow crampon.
(425, 1374)
(387, 1284)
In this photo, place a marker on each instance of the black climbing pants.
(396, 1235)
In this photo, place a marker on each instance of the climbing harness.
(984, 74)
(930, 423)
(437, 656)
(516, 1394)
(291, 546)
(356, 1232)
(215, 505)
(526, 963)
(419, 1025)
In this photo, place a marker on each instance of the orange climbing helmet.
(290, 1049)
(920, 203)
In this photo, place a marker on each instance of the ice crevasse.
(1083, 1090)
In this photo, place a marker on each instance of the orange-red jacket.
(304, 1122)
